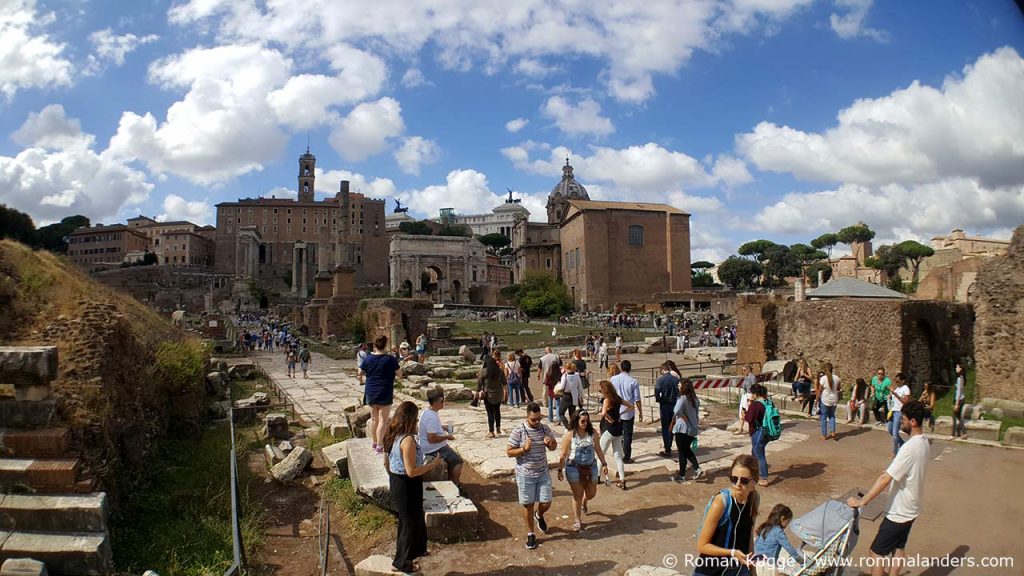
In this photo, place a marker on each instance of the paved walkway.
(332, 386)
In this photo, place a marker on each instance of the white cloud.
(694, 204)
(466, 190)
(367, 129)
(731, 171)
(516, 124)
(706, 244)
(223, 127)
(60, 174)
(177, 208)
(416, 151)
(413, 78)
(634, 41)
(851, 24)
(111, 47)
(583, 118)
(330, 180)
(29, 58)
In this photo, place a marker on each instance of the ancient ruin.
(999, 333)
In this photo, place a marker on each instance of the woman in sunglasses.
(727, 534)
(581, 450)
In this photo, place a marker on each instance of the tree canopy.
(539, 294)
(756, 248)
(914, 252)
(699, 276)
(494, 241)
(456, 230)
(887, 259)
(418, 228)
(739, 272)
(17, 225)
(856, 233)
(826, 242)
(702, 264)
(52, 237)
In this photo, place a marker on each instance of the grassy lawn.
(508, 332)
(180, 522)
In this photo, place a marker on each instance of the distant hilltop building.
(177, 243)
(284, 243)
(952, 272)
(500, 220)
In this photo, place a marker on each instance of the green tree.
(888, 259)
(826, 242)
(17, 225)
(806, 255)
(812, 273)
(53, 237)
(739, 272)
(779, 262)
(700, 278)
(456, 230)
(756, 249)
(914, 252)
(149, 258)
(857, 233)
(495, 241)
(540, 294)
(418, 228)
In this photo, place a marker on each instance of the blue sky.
(778, 119)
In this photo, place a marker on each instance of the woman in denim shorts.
(581, 450)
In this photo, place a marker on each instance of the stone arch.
(407, 289)
(919, 362)
(431, 282)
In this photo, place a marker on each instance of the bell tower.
(307, 167)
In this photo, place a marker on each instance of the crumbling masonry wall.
(999, 305)
(400, 319)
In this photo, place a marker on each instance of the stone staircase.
(48, 510)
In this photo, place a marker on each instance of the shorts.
(305, 366)
(891, 536)
(451, 457)
(572, 473)
(532, 489)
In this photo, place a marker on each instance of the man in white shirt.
(629, 390)
(906, 473)
(434, 437)
(900, 396)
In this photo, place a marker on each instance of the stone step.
(54, 513)
(37, 443)
(70, 554)
(26, 413)
(40, 474)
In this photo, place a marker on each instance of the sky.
(776, 119)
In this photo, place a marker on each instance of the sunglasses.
(742, 480)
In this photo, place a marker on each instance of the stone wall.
(921, 339)
(999, 306)
(170, 287)
(400, 319)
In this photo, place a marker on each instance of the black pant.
(526, 389)
(879, 409)
(666, 425)
(493, 416)
(565, 405)
(407, 496)
(627, 438)
(683, 444)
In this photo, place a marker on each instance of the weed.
(364, 517)
(324, 438)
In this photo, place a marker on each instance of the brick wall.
(999, 336)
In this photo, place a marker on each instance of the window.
(576, 258)
(636, 235)
(547, 263)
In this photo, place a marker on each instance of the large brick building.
(103, 247)
(284, 243)
(177, 243)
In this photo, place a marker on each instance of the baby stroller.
(832, 529)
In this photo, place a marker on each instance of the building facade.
(178, 243)
(442, 269)
(501, 220)
(284, 243)
(103, 247)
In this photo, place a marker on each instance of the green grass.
(508, 332)
(1007, 423)
(180, 521)
(324, 438)
(366, 519)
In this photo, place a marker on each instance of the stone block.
(629, 349)
(446, 512)
(243, 371)
(944, 425)
(339, 429)
(440, 372)
(379, 565)
(22, 567)
(414, 369)
(273, 454)
(471, 373)
(651, 571)
(366, 469)
(277, 426)
(54, 513)
(26, 414)
(336, 456)
(292, 465)
(772, 366)
(1009, 408)
(285, 446)
(460, 394)
(983, 430)
(1014, 436)
(418, 381)
(33, 365)
(216, 386)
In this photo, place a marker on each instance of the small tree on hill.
(806, 255)
(699, 276)
(54, 236)
(889, 259)
(914, 252)
(854, 234)
(17, 225)
(756, 249)
(739, 272)
(539, 294)
(494, 242)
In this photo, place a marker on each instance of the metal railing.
(238, 551)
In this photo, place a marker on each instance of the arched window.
(636, 235)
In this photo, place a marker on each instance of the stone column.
(238, 256)
(799, 290)
(305, 267)
(295, 269)
(254, 258)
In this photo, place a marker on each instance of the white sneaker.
(697, 475)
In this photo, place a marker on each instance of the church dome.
(566, 190)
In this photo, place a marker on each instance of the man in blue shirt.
(666, 391)
(629, 390)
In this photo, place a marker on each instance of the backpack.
(772, 422)
(304, 355)
(724, 520)
(514, 379)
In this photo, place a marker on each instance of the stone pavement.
(332, 386)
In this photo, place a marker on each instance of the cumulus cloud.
(582, 119)
(731, 171)
(29, 57)
(59, 173)
(178, 208)
(367, 129)
(113, 48)
(467, 190)
(372, 187)
(413, 78)
(851, 24)
(416, 151)
(515, 125)
(634, 41)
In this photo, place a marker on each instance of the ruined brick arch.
(920, 364)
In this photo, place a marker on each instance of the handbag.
(586, 472)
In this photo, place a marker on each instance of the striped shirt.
(534, 462)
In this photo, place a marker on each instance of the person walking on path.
(860, 395)
(727, 533)
(525, 363)
(666, 392)
(527, 444)
(748, 382)
(570, 391)
(685, 422)
(629, 391)
(289, 360)
(361, 354)
(434, 437)
(421, 348)
(403, 459)
(304, 358)
(927, 398)
(618, 347)
(881, 385)
(602, 355)
(514, 377)
(958, 403)
(906, 473)
(581, 451)
(380, 369)
(549, 371)
(900, 396)
(755, 420)
(611, 429)
(827, 390)
(493, 387)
